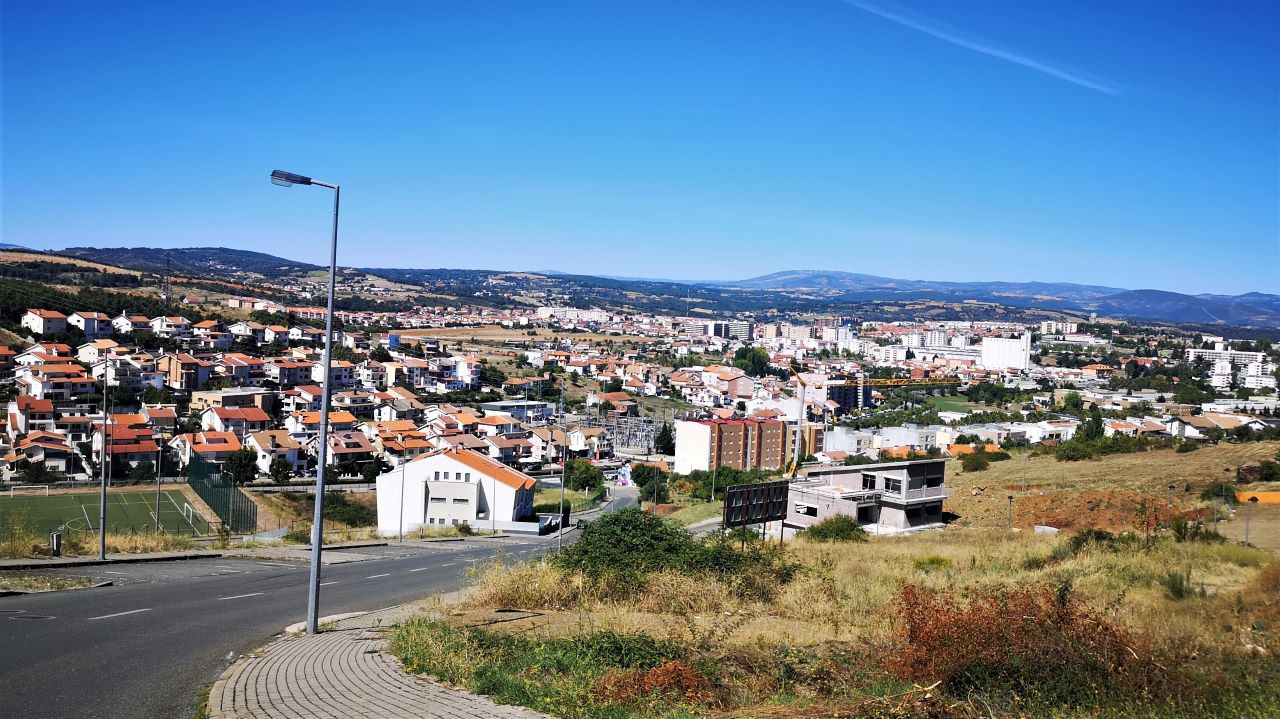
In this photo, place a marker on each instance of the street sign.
(755, 503)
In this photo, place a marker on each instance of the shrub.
(836, 528)
(932, 562)
(674, 681)
(1178, 585)
(622, 548)
(1185, 446)
(976, 462)
(1038, 641)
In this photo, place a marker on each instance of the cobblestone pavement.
(342, 674)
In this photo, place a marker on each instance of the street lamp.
(1011, 513)
(289, 179)
(1248, 514)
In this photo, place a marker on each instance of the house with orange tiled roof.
(93, 324)
(213, 447)
(171, 326)
(51, 449)
(237, 420)
(271, 445)
(44, 322)
(307, 424)
(452, 487)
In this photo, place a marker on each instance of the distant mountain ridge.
(788, 290)
(192, 259)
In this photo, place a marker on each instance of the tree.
(380, 354)
(1092, 428)
(643, 474)
(1073, 402)
(613, 385)
(752, 360)
(665, 441)
(582, 475)
(242, 466)
(142, 471)
(372, 470)
(656, 491)
(281, 470)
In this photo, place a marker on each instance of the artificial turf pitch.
(126, 511)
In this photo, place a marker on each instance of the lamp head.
(1253, 500)
(288, 179)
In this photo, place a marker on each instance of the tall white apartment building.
(1051, 327)
(1007, 352)
(935, 338)
(1223, 351)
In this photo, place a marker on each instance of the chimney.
(273, 441)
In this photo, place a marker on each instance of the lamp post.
(1248, 514)
(1170, 505)
(1011, 513)
(288, 179)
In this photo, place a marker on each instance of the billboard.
(755, 503)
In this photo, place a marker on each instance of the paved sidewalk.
(342, 674)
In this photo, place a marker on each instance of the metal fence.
(233, 507)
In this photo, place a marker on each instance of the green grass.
(548, 500)
(126, 511)
(955, 404)
(695, 513)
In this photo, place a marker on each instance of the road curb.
(26, 592)
(57, 563)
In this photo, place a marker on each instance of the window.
(468, 477)
(437, 500)
(437, 476)
(893, 485)
(446, 476)
(461, 501)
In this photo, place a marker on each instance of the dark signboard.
(755, 503)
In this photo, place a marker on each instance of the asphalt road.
(146, 647)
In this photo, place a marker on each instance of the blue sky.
(1130, 144)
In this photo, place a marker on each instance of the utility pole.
(564, 467)
(159, 463)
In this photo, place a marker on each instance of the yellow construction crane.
(894, 382)
(796, 454)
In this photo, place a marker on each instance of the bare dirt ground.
(1264, 526)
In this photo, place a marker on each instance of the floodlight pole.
(159, 464)
(287, 179)
(1248, 515)
(102, 491)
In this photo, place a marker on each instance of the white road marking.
(419, 569)
(238, 596)
(325, 584)
(450, 564)
(378, 576)
(106, 572)
(118, 614)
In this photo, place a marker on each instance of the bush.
(622, 548)
(836, 528)
(1039, 641)
(976, 462)
(1185, 446)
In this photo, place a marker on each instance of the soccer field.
(126, 511)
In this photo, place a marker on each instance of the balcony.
(922, 493)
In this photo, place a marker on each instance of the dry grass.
(846, 590)
(28, 582)
(18, 543)
(1096, 493)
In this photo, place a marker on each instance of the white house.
(93, 324)
(45, 322)
(454, 486)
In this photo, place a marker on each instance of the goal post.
(35, 490)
